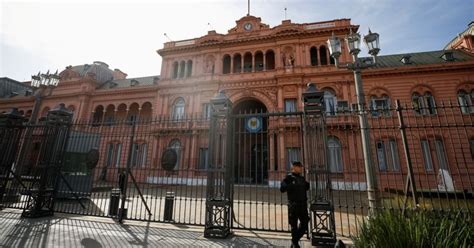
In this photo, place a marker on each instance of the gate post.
(11, 127)
(220, 170)
(322, 221)
(42, 191)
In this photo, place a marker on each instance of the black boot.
(295, 244)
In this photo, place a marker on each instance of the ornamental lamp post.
(43, 85)
(357, 65)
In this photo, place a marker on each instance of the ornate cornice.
(255, 39)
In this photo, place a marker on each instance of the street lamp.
(43, 85)
(353, 44)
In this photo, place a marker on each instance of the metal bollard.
(169, 202)
(114, 202)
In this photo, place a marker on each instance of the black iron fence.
(424, 158)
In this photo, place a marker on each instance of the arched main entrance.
(251, 146)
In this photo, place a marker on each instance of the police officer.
(296, 186)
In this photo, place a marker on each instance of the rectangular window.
(425, 147)
(203, 158)
(380, 107)
(110, 155)
(178, 113)
(462, 99)
(292, 154)
(135, 156)
(118, 154)
(335, 158)
(441, 155)
(431, 105)
(382, 161)
(354, 107)
(206, 111)
(139, 153)
(144, 153)
(394, 155)
(343, 106)
(422, 105)
(330, 103)
(290, 105)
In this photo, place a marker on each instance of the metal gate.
(221, 172)
(31, 161)
(251, 152)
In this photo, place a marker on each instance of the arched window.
(98, 114)
(330, 102)
(237, 63)
(335, 155)
(466, 101)
(146, 112)
(176, 146)
(248, 62)
(121, 114)
(424, 104)
(133, 112)
(175, 70)
(178, 109)
(226, 64)
(258, 61)
(182, 66)
(314, 56)
(270, 60)
(189, 68)
(110, 115)
(323, 55)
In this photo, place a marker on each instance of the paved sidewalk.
(83, 231)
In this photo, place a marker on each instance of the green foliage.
(392, 229)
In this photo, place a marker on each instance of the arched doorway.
(251, 145)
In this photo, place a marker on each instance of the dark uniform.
(296, 186)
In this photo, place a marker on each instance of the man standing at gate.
(296, 186)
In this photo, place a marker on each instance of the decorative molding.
(378, 91)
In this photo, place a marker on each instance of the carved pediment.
(248, 24)
(211, 38)
(287, 28)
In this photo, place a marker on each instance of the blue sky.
(49, 35)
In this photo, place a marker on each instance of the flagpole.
(248, 7)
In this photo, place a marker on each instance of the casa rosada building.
(266, 69)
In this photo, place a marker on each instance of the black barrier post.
(322, 222)
(123, 182)
(220, 172)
